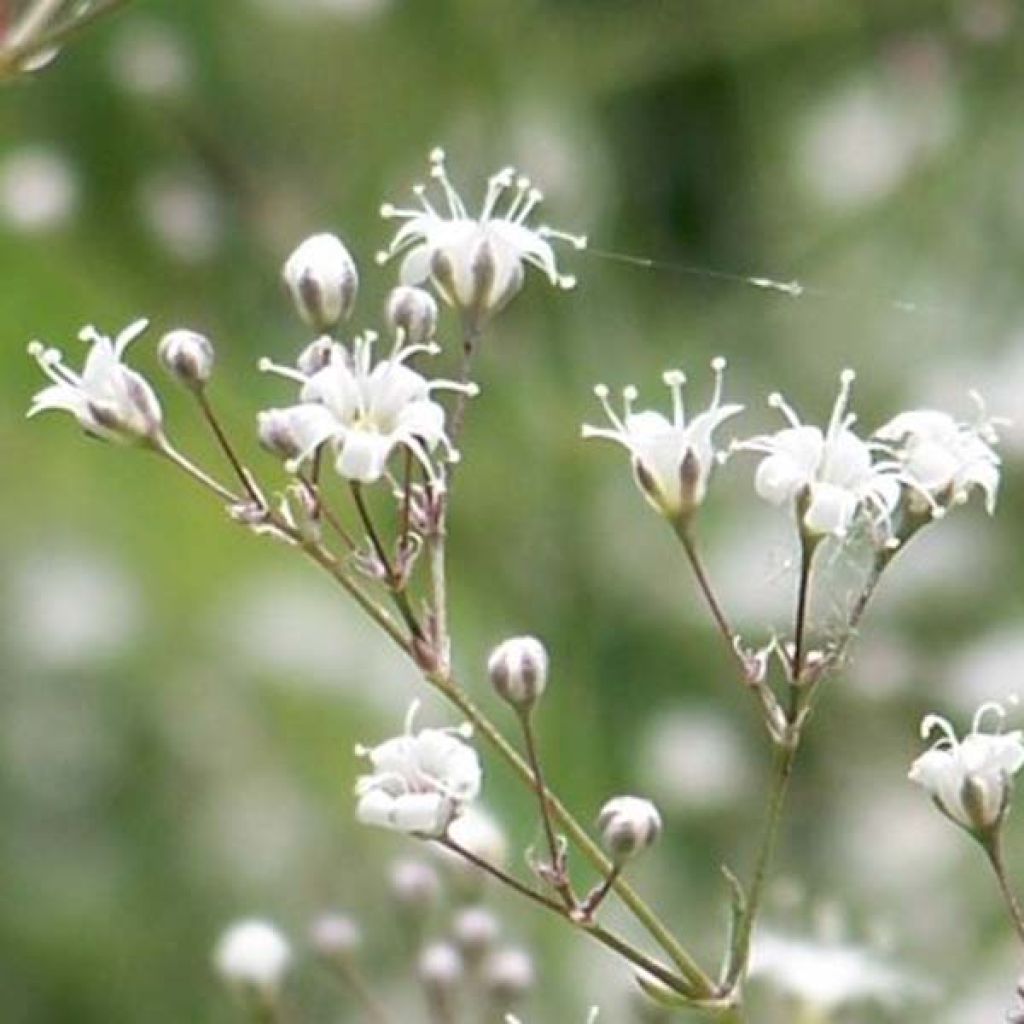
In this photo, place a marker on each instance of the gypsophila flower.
(420, 781)
(943, 460)
(628, 824)
(109, 400)
(970, 779)
(253, 955)
(362, 410)
(830, 474)
(672, 459)
(475, 262)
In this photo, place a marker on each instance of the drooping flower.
(944, 460)
(476, 262)
(362, 410)
(970, 779)
(109, 400)
(831, 474)
(672, 458)
(420, 781)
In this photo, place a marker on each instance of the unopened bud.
(412, 311)
(188, 356)
(518, 669)
(253, 957)
(440, 970)
(475, 930)
(508, 976)
(628, 824)
(316, 355)
(276, 431)
(335, 936)
(415, 886)
(322, 278)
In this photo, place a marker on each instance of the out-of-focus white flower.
(420, 781)
(109, 400)
(830, 976)
(183, 214)
(253, 956)
(476, 262)
(149, 59)
(830, 474)
(942, 459)
(672, 459)
(970, 779)
(508, 975)
(38, 191)
(364, 411)
(694, 760)
(415, 886)
(335, 936)
(323, 280)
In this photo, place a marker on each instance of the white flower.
(420, 781)
(944, 460)
(970, 779)
(829, 976)
(672, 459)
(109, 400)
(831, 474)
(253, 955)
(364, 411)
(476, 262)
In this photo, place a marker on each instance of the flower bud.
(508, 976)
(276, 432)
(335, 936)
(322, 278)
(475, 930)
(253, 957)
(415, 886)
(414, 312)
(316, 355)
(628, 825)
(519, 671)
(440, 971)
(187, 356)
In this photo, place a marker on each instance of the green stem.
(785, 759)
(993, 848)
(702, 985)
(601, 934)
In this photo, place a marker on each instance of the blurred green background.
(179, 700)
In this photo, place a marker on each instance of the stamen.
(839, 419)
(410, 717)
(675, 379)
(776, 401)
(936, 723)
(578, 242)
(989, 707)
(437, 171)
(267, 365)
(718, 365)
(602, 392)
(629, 396)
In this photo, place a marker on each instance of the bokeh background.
(179, 700)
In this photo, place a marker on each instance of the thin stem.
(702, 985)
(603, 935)
(323, 509)
(472, 333)
(244, 476)
(993, 848)
(350, 975)
(34, 21)
(398, 596)
(685, 535)
(598, 896)
(13, 58)
(784, 761)
(808, 546)
(559, 879)
(436, 550)
(165, 448)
